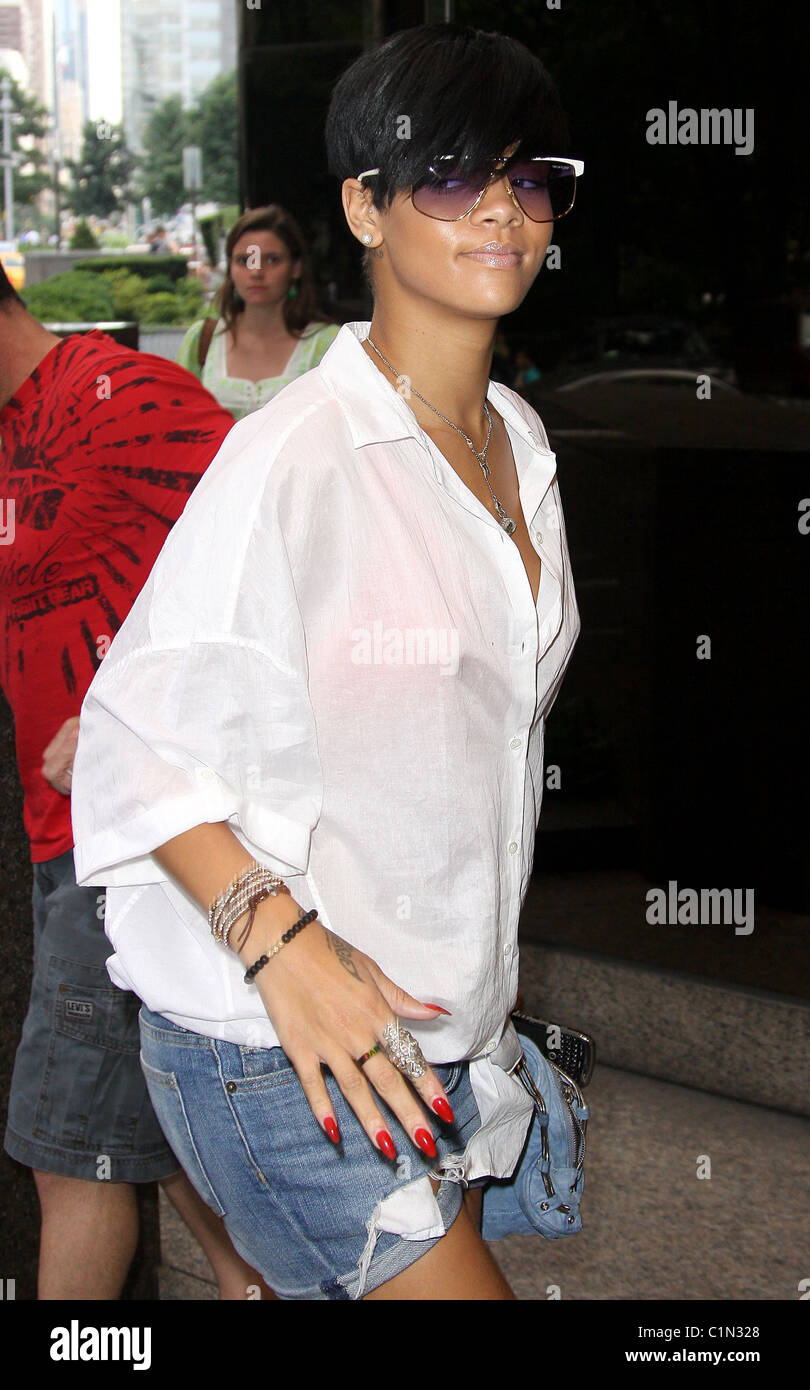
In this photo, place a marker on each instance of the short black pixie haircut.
(8, 294)
(464, 92)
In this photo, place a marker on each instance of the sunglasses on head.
(542, 186)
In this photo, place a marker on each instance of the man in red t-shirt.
(100, 447)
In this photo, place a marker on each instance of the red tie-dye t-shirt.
(100, 449)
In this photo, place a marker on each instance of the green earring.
(292, 292)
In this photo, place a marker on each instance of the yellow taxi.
(13, 263)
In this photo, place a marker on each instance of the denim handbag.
(544, 1192)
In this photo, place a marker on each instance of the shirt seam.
(150, 648)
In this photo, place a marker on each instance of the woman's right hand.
(329, 1003)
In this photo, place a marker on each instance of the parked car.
(13, 263)
(643, 348)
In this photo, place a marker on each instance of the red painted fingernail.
(425, 1141)
(442, 1108)
(438, 1009)
(331, 1129)
(386, 1143)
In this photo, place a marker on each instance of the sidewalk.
(651, 1228)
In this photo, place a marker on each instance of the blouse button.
(514, 742)
(512, 847)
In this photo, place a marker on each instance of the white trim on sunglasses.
(578, 165)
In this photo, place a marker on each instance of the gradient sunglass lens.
(448, 196)
(545, 190)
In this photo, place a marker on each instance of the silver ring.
(402, 1049)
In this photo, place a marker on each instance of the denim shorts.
(307, 1214)
(78, 1104)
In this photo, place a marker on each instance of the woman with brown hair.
(269, 329)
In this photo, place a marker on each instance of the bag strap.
(204, 342)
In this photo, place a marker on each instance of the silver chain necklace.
(505, 521)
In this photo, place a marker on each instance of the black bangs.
(8, 294)
(434, 90)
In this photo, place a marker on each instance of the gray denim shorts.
(79, 1104)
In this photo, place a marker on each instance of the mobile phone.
(573, 1052)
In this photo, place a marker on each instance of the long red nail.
(331, 1129)
(442, 1108)
(386, 1143)
(425, 1141)
(438, 1009)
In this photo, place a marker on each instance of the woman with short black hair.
(311, 765)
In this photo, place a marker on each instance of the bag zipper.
(575, 1128)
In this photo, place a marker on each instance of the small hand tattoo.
(344, 953)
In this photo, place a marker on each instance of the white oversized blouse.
(338, 653)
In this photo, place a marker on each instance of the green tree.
(214, 126)
(31, 172)
(83, 239)
(100, 177)
(160, 167)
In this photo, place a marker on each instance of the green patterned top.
(237, 394)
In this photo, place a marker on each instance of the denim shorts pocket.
(266, 1064)
(81, 1038)
(167, 1102)
(448, 1077)
(87, 1006)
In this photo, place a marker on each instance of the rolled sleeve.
(191, 718)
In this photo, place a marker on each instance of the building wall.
(70, 75)
(171, 50)
(25, 30)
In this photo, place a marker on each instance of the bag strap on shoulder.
(204, 342)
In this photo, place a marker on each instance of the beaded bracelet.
(242, 893)
(288, 936)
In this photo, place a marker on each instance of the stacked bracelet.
(244, 892)
(288, 936)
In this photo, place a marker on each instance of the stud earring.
(366, 238)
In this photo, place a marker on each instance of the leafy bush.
(209, 231)
(158, 308)
(147, 266)
(159, 284)
(126, 291)
(83, 239)
(117, 240)
(190, 297)
(70, 298)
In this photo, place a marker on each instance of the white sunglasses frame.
(578, 165)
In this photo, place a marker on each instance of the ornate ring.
(403, 1050)
(361, 1061)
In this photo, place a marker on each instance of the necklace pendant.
(508, 525)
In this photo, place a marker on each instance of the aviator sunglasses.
(542, 186)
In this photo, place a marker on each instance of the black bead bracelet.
(288, 936)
